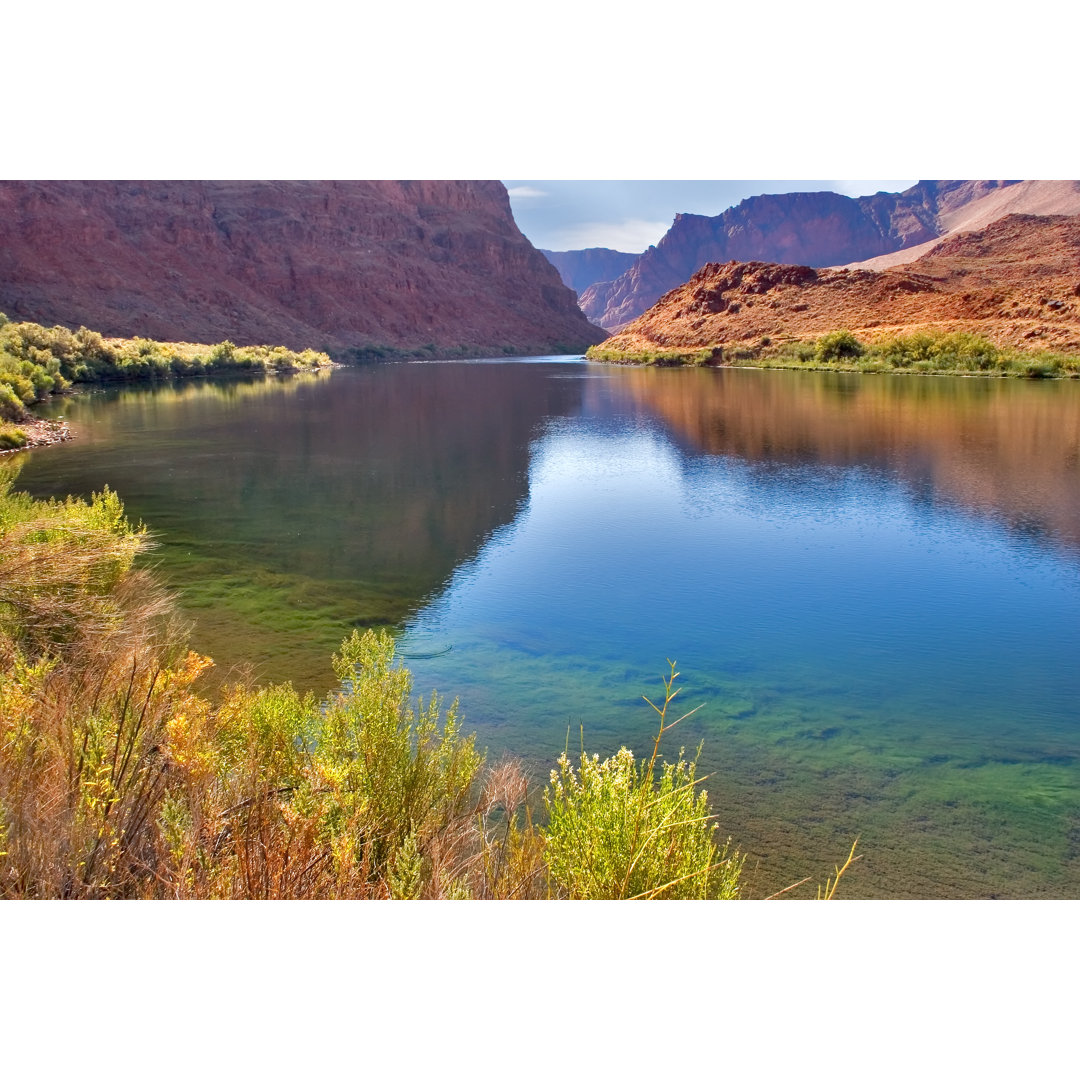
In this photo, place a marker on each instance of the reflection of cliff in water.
(421, 467)
(1003, 448)
(354, 496)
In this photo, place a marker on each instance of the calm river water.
(872, 583)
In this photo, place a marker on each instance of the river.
(870, 583)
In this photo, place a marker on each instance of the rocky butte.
(357, 267)
(820, 229)
(1016, 283)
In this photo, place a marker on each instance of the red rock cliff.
(811, 228)
(1016, 282)
(338, 264)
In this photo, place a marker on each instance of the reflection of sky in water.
(629, 550)
(872, 659)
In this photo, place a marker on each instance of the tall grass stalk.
(619, 830)
(828, 890)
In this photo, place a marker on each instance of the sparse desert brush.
(619, 830)
(118, 779)
(84, 695)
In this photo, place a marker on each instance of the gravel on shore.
(41, 432)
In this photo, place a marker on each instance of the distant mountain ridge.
(582, 268)
(350, 266)
(1036, 197)
(818, 229)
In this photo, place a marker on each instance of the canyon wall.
(350, 266)
(580, 269)
(810, 228)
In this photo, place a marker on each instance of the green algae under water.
(871, 582)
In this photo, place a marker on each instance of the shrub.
(19, 385)
(222, 354)
(12, 438)
(411, 771)
(957, 351)
(49, 360)
(906, 350)
(839, 345)
(360, 796)
(117, 780)
(616, 832)
(11, 407)
(803, 351)
(965, 351)
(1037, 369)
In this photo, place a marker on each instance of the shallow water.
(871, 582)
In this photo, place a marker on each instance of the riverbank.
(32, 432)
(919, 353)
(39, 362)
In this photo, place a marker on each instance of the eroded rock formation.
(1016, 282)
(325, 264)
(819, 228)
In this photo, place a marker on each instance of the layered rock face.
(580, 269)
(1016, 282)
(819, 228)
(1042, 198)
(342, 265)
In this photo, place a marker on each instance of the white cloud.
(526, 193)
(632, 234)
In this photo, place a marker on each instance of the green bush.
(616, 831)
(839, 345)
(12, 438)
(21, 386)
(957, 351)
(222, 355)
(658, 357)
(11, 407)
(52, 358)
(401, 773)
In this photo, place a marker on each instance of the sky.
(629, 215)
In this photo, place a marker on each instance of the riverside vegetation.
(38, 361)
(920, 352)
(120, 779)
